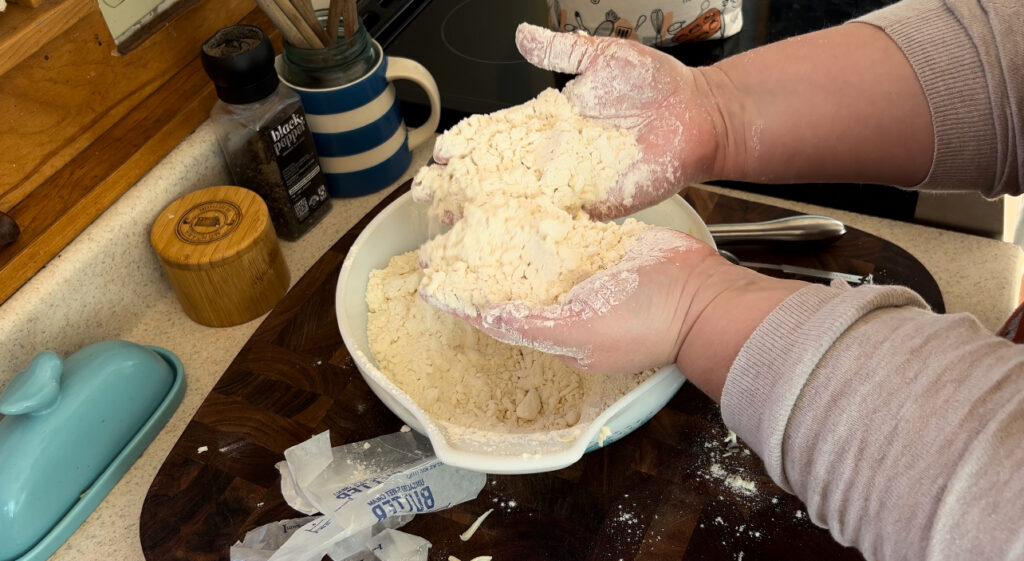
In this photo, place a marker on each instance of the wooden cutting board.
(663, 492)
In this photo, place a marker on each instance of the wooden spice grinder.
(219, 251)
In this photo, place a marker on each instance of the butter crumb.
(472, 529)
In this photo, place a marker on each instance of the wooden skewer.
(333, 16)
(305, 10)
(292, 15)
(350, 15)
(283, 24)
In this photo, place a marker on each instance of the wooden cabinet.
(82, 123)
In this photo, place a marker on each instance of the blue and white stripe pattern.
(359, 134)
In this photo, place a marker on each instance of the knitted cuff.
(771, 369)
(951, 73)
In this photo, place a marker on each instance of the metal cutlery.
(803, 271)
(807, 228)
(802, 228)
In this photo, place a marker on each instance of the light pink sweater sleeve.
(969, 57)
(901, 429)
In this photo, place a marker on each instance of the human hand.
(668, 106)
(671, 299)
(626, 318)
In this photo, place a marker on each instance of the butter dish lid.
(71, 429)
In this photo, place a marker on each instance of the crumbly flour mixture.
(461, 376)
(514, 184)
(542, 149)
(523, 250)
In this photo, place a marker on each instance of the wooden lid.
(209, 226)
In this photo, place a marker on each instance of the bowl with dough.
(603, 415)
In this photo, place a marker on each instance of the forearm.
(901, 429)
(838, 105)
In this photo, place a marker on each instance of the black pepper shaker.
(262, 130)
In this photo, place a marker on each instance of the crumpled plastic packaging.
(393, 545)
(363, 490)
(303, 462)
(259, 544)
(380, 542)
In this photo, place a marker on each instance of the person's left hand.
(671, 299)
(668, 107)
(626, 318)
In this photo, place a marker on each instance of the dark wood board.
(655, 494)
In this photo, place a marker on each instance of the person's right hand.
(668, 106)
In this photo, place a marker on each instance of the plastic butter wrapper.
(303, 462)
(378, 543)
(361, 490)
(261, 543)
(393, 545)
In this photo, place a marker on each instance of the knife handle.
(802, 228)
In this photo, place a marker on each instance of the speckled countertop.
(71, 303)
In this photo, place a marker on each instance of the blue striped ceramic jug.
(353, 112)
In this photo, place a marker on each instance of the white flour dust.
(735, 482)
(727, 459)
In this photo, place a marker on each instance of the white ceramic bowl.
(404, 226)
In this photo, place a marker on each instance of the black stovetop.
(468, 46)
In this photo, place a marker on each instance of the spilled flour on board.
(750, 509)
(726, 461)
(736, 483)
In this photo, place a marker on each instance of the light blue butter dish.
(71, 429)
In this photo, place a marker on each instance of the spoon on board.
(801, 228)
